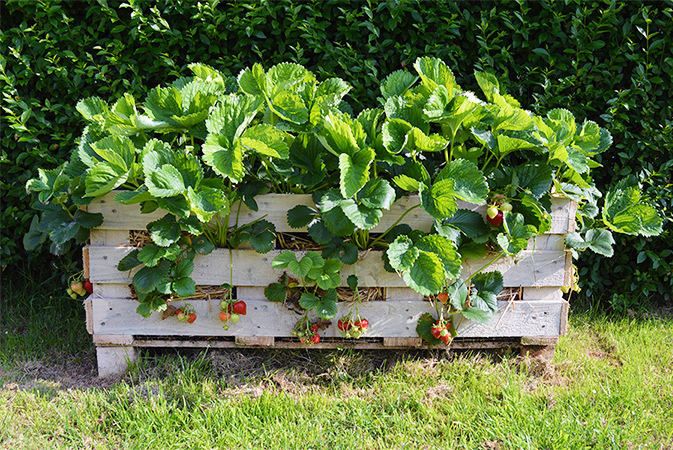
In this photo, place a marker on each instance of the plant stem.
(393, 225)
(490, 262)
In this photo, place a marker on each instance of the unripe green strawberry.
(235, 317)
(506, 207)
(492, 211)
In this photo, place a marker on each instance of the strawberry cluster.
(495, 212)
(352, 329)
(306, 331)
(232, 311)
(79, 288)
(440, 330)
(186, 313)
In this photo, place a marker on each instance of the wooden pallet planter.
(539, 316)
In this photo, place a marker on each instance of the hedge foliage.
(606, 56)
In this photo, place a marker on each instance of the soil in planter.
(205, 292)
(303, 241)
(508, 294)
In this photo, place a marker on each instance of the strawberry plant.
(202, 147)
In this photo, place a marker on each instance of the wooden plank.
(113, 339)
(114, 361)
(542, 293)
(568, 273)
(110, 238)
(547, 242)
(88, 308)
(110, 291)
(85, 261)
(539, 340)
(402, 342)
(394, 294)
(539, 268)
(250, 293)
(274, 207)
(254, 341)
(564, 318)
(267, 319)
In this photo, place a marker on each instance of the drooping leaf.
(402, 253)
(148, 278)
(275, 292)
(363, 217)
(164, 231)
(184, 287)
(165, 182)
(439, 200)
(129, 261)
(469, 183)
(445, 251)
(354, 171)
(300, 216)
(471, 223)
(625, 213)
(397, 83)
(426, 275)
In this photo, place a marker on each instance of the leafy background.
(609, 61)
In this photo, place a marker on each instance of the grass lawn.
(610, 385)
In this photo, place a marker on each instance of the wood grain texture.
(266, 319)
(533, 268)
(274, 207)
(112, 238)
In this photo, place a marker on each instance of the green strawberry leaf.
(129, 261)
(469, 183)
(354, 171)
(275, 292)
(625, 213)
(300, 216)
(439, 199)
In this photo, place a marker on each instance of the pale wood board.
(266, 319)
(110, 238)
(274, 207)
(114, 361)
(542, 293)
(539, 268)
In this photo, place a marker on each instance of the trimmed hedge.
(607, 56)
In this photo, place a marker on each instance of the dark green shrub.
(606, 56)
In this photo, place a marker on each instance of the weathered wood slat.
(267, 319)
(113, 361)
(539, 268)
(274, 207)
(543, 293)
(110, 238)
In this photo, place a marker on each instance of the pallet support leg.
(114, 361)
(538, 347)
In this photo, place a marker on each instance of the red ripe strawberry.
(436, 331)
(192, 318)
(344, 325)
(302, 340)
(497, 220)
(445, 339)
(443, 297)
(88, 286)
(314, 327)
(364, 324)
(179, 311)
(315, 338)
(224, 316)
(240, 308)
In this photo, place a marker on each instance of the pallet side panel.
(274, 207)
(266, 319)
(533, 268)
